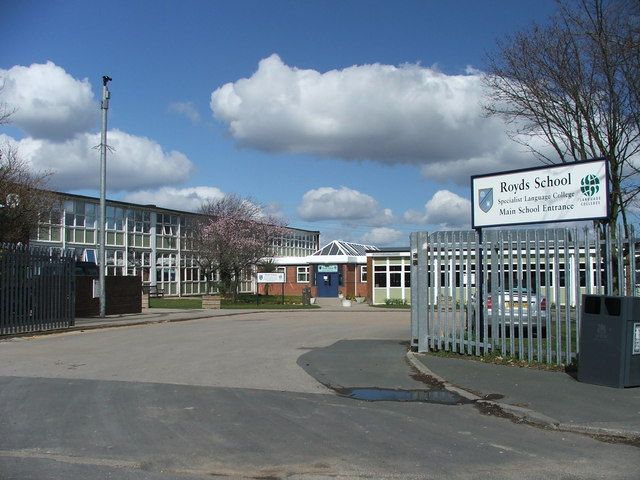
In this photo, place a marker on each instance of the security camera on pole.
(106, 95)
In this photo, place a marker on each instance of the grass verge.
(266, 303)
(186, 303)
(496, 358)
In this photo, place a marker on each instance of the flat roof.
(154, 207)
(390, 250)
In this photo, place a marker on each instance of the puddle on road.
(440, 396)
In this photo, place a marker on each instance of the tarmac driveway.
(248, 397)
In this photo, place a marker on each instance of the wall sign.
(327, 269)
(275, 277)
(576, 191)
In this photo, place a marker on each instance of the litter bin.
(306, 296)
(610, 341)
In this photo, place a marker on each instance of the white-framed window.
(363, 274)
(303, 274)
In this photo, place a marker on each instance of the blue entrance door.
(327, 284)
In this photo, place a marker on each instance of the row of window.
(392, 276)
(303, 275)
(79, 220)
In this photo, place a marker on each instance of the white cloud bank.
(49, 102)
(328, 203)
(57, 113)
(134, 162)
(406, 114)
(445, 210)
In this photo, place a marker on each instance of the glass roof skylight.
(340, 247)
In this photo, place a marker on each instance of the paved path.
(553, 398)
(250, 396)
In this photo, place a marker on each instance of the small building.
(390, 278)
(337, 269)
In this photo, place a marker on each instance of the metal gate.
(513, 293)
(37, 289)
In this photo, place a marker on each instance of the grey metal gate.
(514, 293)
(37, 289)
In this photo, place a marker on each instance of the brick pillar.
(211, 302)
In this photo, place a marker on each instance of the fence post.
(413, 249)
(423, 292)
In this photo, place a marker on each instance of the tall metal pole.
(106, 95)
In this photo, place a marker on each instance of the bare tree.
(5, 110)
(23, 200)
(231, 235)
(571, 82)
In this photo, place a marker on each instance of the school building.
(155, 243)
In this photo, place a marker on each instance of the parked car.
(518, 307)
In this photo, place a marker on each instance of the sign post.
(561, 193)
(271, 277)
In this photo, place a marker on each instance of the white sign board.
(276, 277)
(576, 191)
(327, 268)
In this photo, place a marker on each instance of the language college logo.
(590, 185)
(485, 199)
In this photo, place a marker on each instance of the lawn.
(245, 301)
(169, 302)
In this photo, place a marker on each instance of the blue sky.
(360, 119)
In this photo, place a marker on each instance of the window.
(89, 255)
(395, 275)
(80, 221)
(380, 276)
(407, 275)
(114, 262)
(363, 274)
(303, 275)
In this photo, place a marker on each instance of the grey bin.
(610, 341)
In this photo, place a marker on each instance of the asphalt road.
(252, 396)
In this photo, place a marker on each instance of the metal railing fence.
(37, 289)
(514, 293)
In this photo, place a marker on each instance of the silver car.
(518, 306)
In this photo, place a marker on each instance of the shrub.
(395, 302)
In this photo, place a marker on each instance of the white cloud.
(133, 163)
(50, 103)
(188, 199)
(406, 114)
(445, 210)
(384, 236)
(186, 109)
(328, 203)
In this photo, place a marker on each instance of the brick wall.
(123, 295)
(351, 284)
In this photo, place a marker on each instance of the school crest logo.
(485, 199)
(590, 185)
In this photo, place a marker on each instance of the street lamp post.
(106, 95)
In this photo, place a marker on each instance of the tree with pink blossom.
(232, 235)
